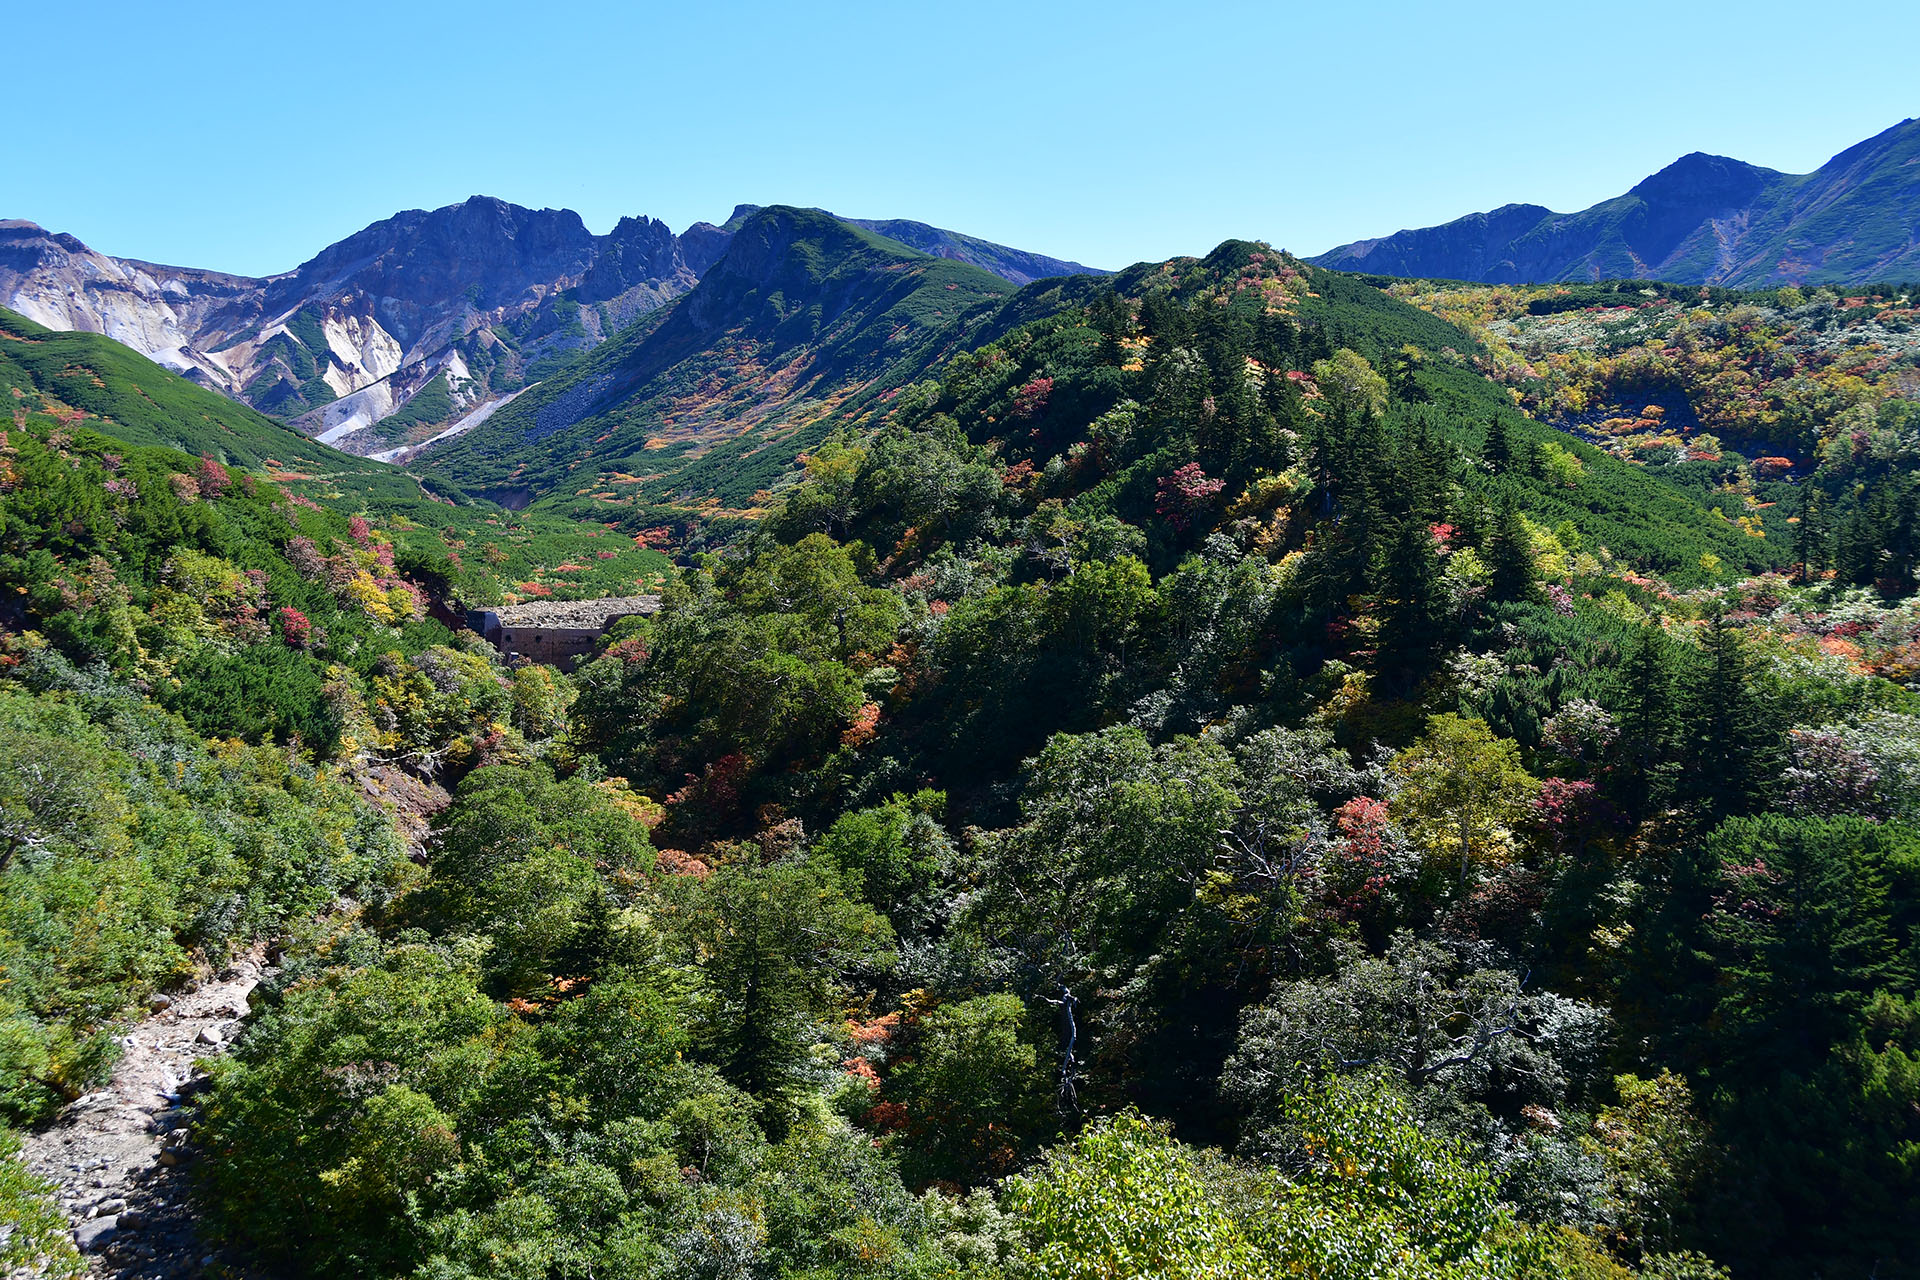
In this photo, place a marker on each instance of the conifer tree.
(1649, 724)
(1508, 556)
(1498, 450)
(1408, 589)
(1109, 318)
(1274, 341)
(1807, 534)
(1731, 738)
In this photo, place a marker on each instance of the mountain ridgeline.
(404, 328)
(1703, 219)
(805, 316)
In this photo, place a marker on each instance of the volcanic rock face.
(460, 301)
(164, 313)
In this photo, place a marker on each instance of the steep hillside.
(1796, 412)
(1017, 266)
(1702, 220)
(802, 314)
(803, 330)
(81, 382)
(1288, 318)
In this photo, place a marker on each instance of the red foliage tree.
(296, 629)
(865, 724)
(211, 478)
(1030, 401)
(1357, 870)
(1184, 493)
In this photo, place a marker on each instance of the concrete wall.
(560, 647)
(571, 630)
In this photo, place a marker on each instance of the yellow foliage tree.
(1462, 791)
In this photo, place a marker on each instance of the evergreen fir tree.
(1806, 534)
(1498, 450)
(1109, 318)
(1731, 738)
(1649, 725)
(1508, 556)
(1407, 587)
(1274, 341)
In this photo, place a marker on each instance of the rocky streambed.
(120, 1156)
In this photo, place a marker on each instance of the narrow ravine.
(120, 1155)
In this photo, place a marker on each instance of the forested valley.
(1242, 771)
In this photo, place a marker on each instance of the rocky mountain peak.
(468, 302)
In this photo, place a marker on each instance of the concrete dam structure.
(557, 633)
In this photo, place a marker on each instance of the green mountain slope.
(811, 326)
(804, 313)
(1017, 265)
(1053, 330)
(83, 383)
(1702, 220)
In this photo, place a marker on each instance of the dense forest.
(1211, 782)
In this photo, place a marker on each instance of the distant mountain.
(125, 395)
(803, 313)
(1701, 220)
(454, 306)
(410, 326)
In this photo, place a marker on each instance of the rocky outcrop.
(171, 315)
(351, 336)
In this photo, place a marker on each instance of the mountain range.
(1703, 219)
(415, 322)
(484, 330)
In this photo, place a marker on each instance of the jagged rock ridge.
(459, 302)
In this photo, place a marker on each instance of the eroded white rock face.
(153, 310)
(357, 411)
(367, 352)
(381, 312)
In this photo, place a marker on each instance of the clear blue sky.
(244, 137)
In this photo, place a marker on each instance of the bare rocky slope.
(441, 311)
